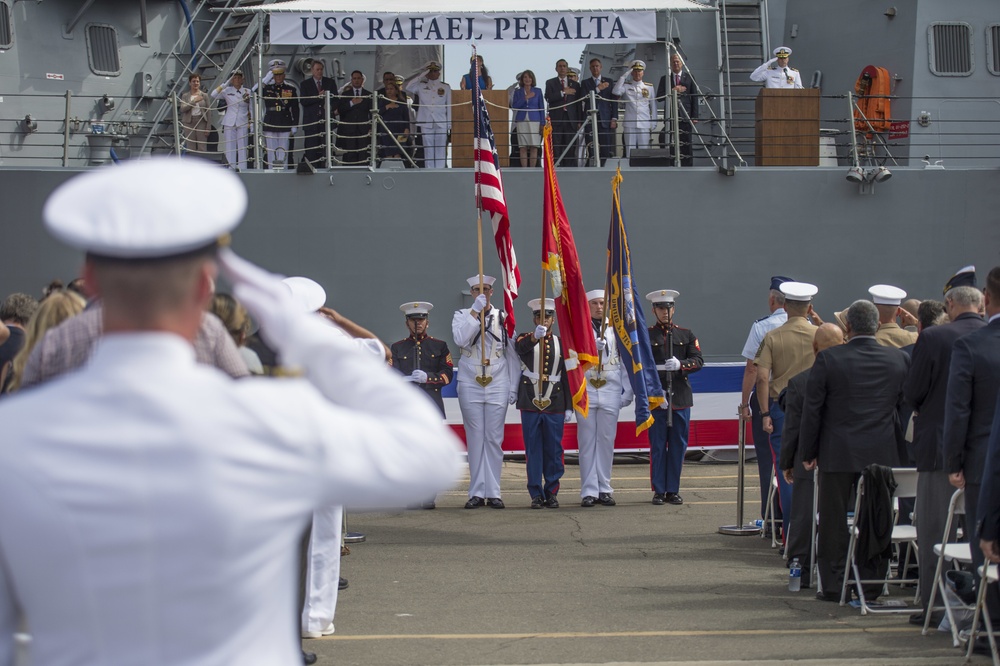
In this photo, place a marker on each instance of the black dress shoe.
(828, 596)
(606, 499)
(308, 657)
(495, 503)
(659, 499)
(342, 584)
(552, 503)
(588, 501)
(429, 504)
(475, 503)
(982, 646)
(674, 498)
(537, 502)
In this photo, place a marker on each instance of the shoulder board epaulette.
(762, 319)
(793, 69)
(399, 342)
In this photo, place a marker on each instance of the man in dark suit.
(849, 421)
(564, 99)
(973, 388)
(607, 110)
(924, 390)
(313, 92)
(802, 514)
(687, 107)
(354, 131)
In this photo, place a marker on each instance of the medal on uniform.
(483, 380)
(598, 382)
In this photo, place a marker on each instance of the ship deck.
(632, 584)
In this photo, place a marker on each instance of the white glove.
(268, 78)
(663, 405)
(512, 398)
(540, 332)
(569, 416)
(601, 344)
(479, 304)
(771, 61)
(295, 130)
(419, 376)
(626, 401)
(672, 364)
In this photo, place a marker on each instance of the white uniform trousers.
(435, 137)
(277, 148)
(236, 146)
(484, 422)
(323, 568)
(596, 437)
(635, 137)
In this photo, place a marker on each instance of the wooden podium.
(787, 127)
(462, 126)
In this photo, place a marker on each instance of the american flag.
(490, 198)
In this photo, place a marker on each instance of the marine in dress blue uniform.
(426, 361)
(668, 443)
(545, 405)
(281, 115)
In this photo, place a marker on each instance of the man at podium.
(775, 73)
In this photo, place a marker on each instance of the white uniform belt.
(533, 376)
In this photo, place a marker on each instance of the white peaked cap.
(142, 208)
(535, 305)
(595, 293)
(662, 296)
(488, 280)
(885, 294)
(307, 293)
(416, 308)
(798, 291)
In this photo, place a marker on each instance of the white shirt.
(612, 369)
(505, 366)
(435, 101)
(775, 77)
(640, 102)
(760, 329)
(237, 105)
(156, 520)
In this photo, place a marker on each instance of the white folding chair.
(906, 486)
(955, 554)
(986, 578)
(769, 512)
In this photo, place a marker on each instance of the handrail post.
(595, 142)
(850, 119)
(373, 144)
(65, 157)
(675, 130)
(327, 134)
(177, 126)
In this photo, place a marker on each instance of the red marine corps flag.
(561, 264)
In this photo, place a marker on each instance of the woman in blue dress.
(485, 82)
(529, 114)
(396, 116)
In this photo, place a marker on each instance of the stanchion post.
(740, 529)
(351, 537)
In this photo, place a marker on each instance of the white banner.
(376, 29)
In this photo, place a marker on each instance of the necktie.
(562, 82)
(319, 86)
(357, 93)
(677, 79)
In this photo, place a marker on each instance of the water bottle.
(795, 576)
(758, 523)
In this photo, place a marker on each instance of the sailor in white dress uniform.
(775, 73)
(236, 120)
(640, 106)
(433, 114)
(156, 520)
(608, 391)
(484, 392)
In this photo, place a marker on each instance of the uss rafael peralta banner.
(380, 29)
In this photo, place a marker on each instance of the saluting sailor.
(640, 106)
(433, 113)
(677, 354)
(426, 361)
(775, 73)
(543, 396)
(485, 388)
(281, 115)
(608, 391)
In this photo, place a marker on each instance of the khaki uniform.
(786, 351)
(891, 335)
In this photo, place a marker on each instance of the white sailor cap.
(416, 309)
(782, 52)
(536, 303)
(798, 291)
(488, 280)
(884, 294)
(662, 296)
(277, 66)
(638, 64)
(307, 293)
(595, 293)
(142, 209)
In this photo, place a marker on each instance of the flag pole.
(607, 285)
(482, 379)
(546, 145)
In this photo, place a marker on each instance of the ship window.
(102, 49)
(6, 29)
(993, 49)
(950, 49)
